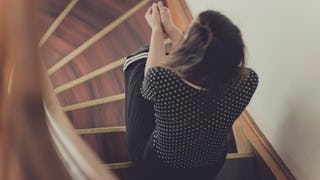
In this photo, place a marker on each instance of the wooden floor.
(85, 20)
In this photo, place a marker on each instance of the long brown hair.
(212, 53)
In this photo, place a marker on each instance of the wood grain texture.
(95, 102)
(106, 115)
(109, 147)
(85, 20)
(91, 75)
(124, 40)
(108, 84)
(84, 46)
(241, 141)
(102, 130)
(57, 22)
(263, 147)
(49, 11)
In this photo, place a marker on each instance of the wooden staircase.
(85, 45)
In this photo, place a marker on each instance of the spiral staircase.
(85, 43)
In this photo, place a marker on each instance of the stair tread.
(234, 169)
(84, 21)
(112, 148)
(105, 115)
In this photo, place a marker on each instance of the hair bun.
(209, 35)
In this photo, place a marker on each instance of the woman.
(178, 123)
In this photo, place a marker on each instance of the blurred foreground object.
(36, 139)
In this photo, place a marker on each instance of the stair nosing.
(124, 165)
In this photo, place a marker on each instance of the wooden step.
(110, 144)
(238, 166)
(57, 22)
(101, 130)
(52, 14)
(97, 72)
(105, 115)
(110, 147)
(240, 169)
(230, 156)
(108, 84)
(87, 23)
(94, 102)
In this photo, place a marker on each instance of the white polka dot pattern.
(192, 124)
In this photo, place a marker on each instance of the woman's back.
(192, 124)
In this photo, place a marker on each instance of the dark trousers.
(140, 123)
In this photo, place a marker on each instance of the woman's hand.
(166, 19)
(153, 17)
(170, 28)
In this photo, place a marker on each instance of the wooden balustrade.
(36, 139)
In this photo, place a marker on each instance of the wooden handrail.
(37, 140)
(71, 147)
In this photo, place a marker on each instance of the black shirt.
(192, 124)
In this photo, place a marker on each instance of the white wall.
(283, 41)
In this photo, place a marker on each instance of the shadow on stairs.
(235, 168)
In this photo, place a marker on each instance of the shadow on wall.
(298, 141)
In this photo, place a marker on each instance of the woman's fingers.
(160, 6)
(148, 13)
(155, 9)
(152, 17)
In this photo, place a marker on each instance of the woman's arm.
(157, 48)
(156, 51)
(176, 37)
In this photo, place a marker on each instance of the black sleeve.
(158, 82)
(150, 84)
(254, 80)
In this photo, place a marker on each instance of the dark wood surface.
(122, 41)
(233, 169)
(106, 115)
(49, 11)
(108, 84)
(85, 20)
(109, 147)
(127, 174)
(264, 171)
(239, 169)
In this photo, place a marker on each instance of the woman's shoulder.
(162, 76)
(251, 75)
(161, 72)
(249, 78)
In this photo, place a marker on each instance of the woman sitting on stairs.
(180, 106)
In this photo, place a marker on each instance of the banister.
(37, 140)
(74, 152)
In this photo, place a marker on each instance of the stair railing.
(37, 140)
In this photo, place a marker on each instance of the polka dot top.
(192, 124)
